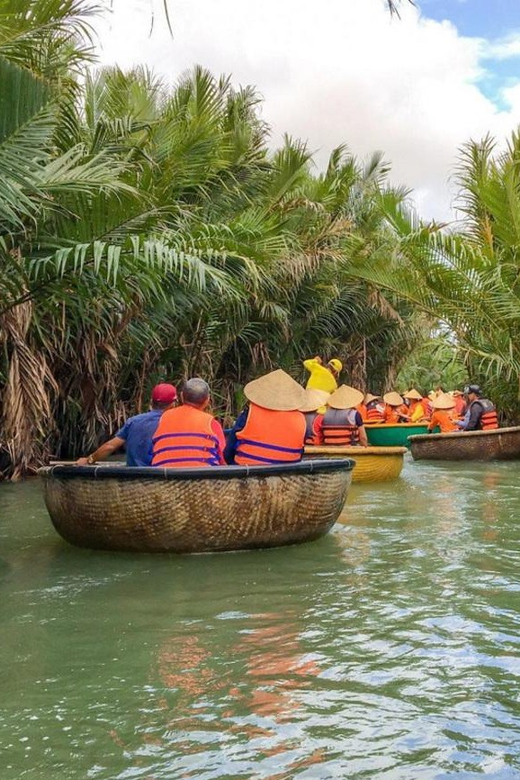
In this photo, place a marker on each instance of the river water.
(389, 649)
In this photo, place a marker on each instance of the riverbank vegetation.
(151, 232)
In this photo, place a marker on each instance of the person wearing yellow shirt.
(323, 377)
(417, 410)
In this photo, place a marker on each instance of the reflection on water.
(389, 649)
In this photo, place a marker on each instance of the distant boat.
(372, 464)
(496, 444)
(114, 507)
(382, 435)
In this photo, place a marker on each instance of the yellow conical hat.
(276, 391)
(413, 395)
(392, 399)
(443, 401)
(345, 397)
(314, 399)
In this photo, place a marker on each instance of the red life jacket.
(311, 434)
(489, 419)
(375, 412)
(339, 427)
(184, 439)
(270, 437)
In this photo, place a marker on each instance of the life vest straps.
(489, 421)
(191, 451)
(246, 448)
(341, 435)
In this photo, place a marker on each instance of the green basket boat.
(394, 435)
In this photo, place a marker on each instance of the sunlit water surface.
(389, 649)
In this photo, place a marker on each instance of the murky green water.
(389, 649)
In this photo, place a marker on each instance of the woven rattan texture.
(501, 444)
(373, 464)
(195, 516)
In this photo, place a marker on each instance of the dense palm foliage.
(148, 233)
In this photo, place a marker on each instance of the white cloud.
(331, 73)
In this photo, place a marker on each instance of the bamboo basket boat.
(195, 510)
(381, 435)
(497, 444)
(372, 464)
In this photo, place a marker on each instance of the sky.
(346, 72)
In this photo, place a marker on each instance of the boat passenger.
(188, 436)
(375, 407)
(271, 429)
(460, 403)
(323, 377)
(313, 410)
(395, 410)
(444, 415)
(481, 413)
(137, 432)
(417, 410)
(342, 424)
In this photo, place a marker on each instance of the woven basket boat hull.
(372, 464)
(499, 444)
(393, 435)
(195, 510)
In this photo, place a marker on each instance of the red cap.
(164, 393)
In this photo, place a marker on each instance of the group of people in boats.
(280, 418)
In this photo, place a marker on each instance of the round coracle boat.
(372, 464)
(195, 510)
(382, 435)
(496, 444)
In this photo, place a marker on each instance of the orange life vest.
(312, 436)
(489, 418)
(445, 419)
(339, 427)
(270, 437)
(375, 412)
(393, 414)
(184, 439)
(460, 405)
(362, 411)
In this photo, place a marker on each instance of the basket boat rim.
(355, 452)
(397, 426)
(421, 437)
(318, 466)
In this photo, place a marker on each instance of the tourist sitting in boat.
(271, 429)
(137, 432)
(313, 410)
(444, 414)
(342, 424)
(395, 410)
(188, 436)
(375, 409)
(481, 413)
(416, 406)
(460, 403)
(323, 377)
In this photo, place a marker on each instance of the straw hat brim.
(369, 397)
(413, 395)
(345, 397)
(276, 391)
(314, 399)
(443, 402)
(392, 399)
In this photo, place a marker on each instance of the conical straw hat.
(276, 391)
(443, 401)
(314, 399)
(369, 397)
(392, 399)
(345, 397)
(413, 395)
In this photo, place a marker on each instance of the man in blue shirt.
(137, 432)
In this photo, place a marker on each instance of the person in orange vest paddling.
(188, 436)
(271, 429)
